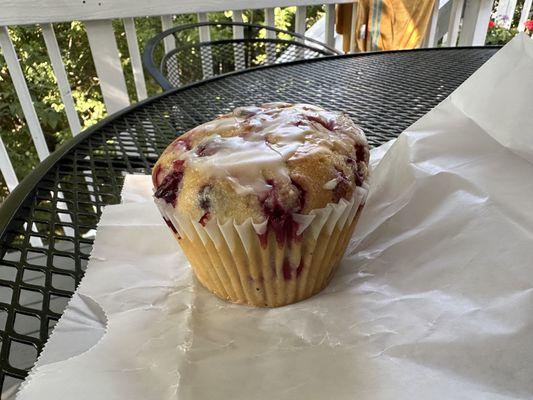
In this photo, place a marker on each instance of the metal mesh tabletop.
(60, 204)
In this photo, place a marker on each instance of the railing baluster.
(353, 24)
(64, 217)
(167, 23)
(329, 32)
(135, 56)
(169, 44)
(206, 55)
(270, 47)
(10, 177)
(431, 31)
(61, 77)
(106, 59)
(238, 35)
(526, 9)
(23, 93)
(299, 27)
(299, 24)
(455, 20)
(270, 20)
(506, 8)
(443, 22)
(475, 22)
(238, 31)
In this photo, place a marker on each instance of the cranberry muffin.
(264, 200)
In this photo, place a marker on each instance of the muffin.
(264, 200)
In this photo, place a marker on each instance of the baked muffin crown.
(264, 163)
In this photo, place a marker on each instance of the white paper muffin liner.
(230, 260)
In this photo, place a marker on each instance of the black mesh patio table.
(47, 224)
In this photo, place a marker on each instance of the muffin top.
(264, 163)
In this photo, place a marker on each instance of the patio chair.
(186, 54)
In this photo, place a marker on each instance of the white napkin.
(433, 299)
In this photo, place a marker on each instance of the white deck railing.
(462, 22)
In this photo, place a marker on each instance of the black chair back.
(193, 60)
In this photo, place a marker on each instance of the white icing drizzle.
(240, 160)
(220, 123)
(268, 137)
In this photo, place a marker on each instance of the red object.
(491, 24)
(529, 24)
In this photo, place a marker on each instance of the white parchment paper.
(433, 300)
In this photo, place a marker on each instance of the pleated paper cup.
(234, 263)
